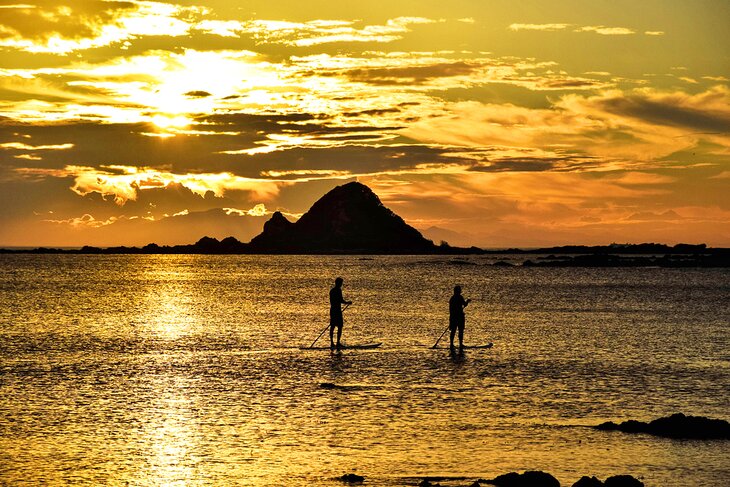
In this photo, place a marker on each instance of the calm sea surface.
(185, 370)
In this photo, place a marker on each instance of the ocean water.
(186, 371)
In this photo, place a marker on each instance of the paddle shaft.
(442, 335)
(326, 328)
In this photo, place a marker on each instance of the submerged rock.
(675, 426)
(352, 478)
(623, 481)
(527, 479)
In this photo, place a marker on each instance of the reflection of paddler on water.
(336, 320)
(457, 318)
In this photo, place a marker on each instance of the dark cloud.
(198, 94)
(669, 111)
(668, 215)
(549, 162)
(409, 74)
(357, 159)
(516, 165)
(372, 113)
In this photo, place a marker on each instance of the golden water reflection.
(187, 371)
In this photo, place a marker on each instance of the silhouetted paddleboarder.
(457, 303)
(336, 300)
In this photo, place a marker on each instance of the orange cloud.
(642, 124)
(123, 183)
(63, 27)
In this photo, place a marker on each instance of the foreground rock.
(615, 481)
(586, 481)
(352, 478)
(527, 479)
(676, 426)
(623, 481)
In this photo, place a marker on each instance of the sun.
(168, 122)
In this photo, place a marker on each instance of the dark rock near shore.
(676, 426)
(428, 483)
(623, 481)
(352, 478)
(527, 479)
(586, 481)
(615, 481)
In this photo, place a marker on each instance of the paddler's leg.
(461, 335)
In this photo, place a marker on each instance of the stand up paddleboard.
(470, 347)
(363, 346)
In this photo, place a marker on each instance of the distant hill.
(438, 234)
(348, 219)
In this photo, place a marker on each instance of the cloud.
(63, 27)
(639, 125)
(27, 147)
(606, 31)
(539, 27)
(258, 210)
(315, 32)
(85, 220)
(654, 33)
(197, 94)
(436, 71)
(668, 215)
(123, 183)
(598, 29)
(705, 111)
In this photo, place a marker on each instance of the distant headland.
(351, 219)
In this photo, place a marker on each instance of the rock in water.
(623, 481)
(586, 481)
(675, 426)
(348, 219)
(352, 478)
(527, 479)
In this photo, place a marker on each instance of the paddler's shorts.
(457, 322)
(336, 320)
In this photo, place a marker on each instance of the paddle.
(326, 328)
(442, 335)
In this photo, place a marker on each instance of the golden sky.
(501, 123)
